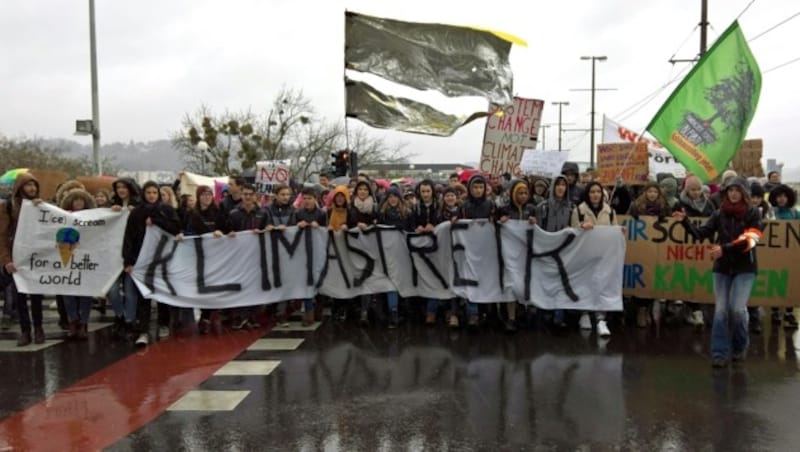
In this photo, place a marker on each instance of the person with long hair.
(394, 212)
(737, 226)
(594, 210)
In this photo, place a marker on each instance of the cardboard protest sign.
(627, 160)
(271, 173)
(546, 164)
(660, 159)
(664, 261)
(747, 160)
(64, 253)
(508, 133)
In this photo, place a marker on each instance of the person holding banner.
(783, 199)
(450, 210)
(554, 215)
(594, 210)
(124, 294)
(696, 204)
(205, 218)
(425, 214)
(518, 209)
(394, 212)
(651, 202)
(737, 227)
(281, 215)
(309, 215)
(152, 212)
(362, 214)
(78, 308)
(25, 187)
(476, 207)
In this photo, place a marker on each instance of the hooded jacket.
(477, 208)
(514, 211)
(135, 193)
(669, 187)
(65, 188)
(9, 215)
(160, 215)
(337, 216)
(555, 214)
(728, 228)
(282, 214)
(395, 216)
(75, 193)
(641, 206)
(574, 191)
(784, 213)
(701, 207)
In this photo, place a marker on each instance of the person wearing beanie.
(570, 171)
(736, 227)
(759, 201)
(696, 204)
(727, 176)
(669, 186)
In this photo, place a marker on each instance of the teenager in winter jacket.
(477, 206)
(426, 214)
(783, 199)
(362, 214)
(449, 211)
(339, 208)
(78, 308)
(394, 212)
(696, 204)
(152, 212)
(25, 187)
(594, 210)
(738, 228)
(309, 215)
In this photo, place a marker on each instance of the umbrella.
(11, 176)
(382, 183)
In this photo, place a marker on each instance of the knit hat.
(757, 190)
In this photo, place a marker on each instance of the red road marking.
(101, 409)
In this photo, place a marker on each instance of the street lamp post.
(98, 164)
(202, 146)
(591, 126)
(560, 104)
(544, 128)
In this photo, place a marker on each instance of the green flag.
(705, 119)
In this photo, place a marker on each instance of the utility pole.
(703, 35)
(98, 164)
(560, 104)
(543, 128)
(592, 129)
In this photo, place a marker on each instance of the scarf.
(698, 204)
(364, 206)
(737, 210)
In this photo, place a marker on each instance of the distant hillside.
(131, 156)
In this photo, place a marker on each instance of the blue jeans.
(308, 304)
(10, 302)
(433, 306)
(392, 301)
(729, 330)
(472, 309)
(78, 308)
(124, 307)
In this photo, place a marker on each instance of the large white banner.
(68, 253)
(661, 161)
(475, 260)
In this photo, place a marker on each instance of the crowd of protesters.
(735, 207)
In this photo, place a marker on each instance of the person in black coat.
(737, 226)
(151, 212)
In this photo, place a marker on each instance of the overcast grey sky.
(161, 58)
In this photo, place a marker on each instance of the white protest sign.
(661, 161)
(270, 173)
(543, 163)
(509, 131)
(476, 260)
(62, 253)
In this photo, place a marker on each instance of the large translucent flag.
(705, 120)
(458, 62)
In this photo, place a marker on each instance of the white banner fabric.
(661, 161)
(68, 253)
(478, 261)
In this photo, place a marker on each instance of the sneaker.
(696, 318)
(585, 322)
(719, 363)
(163, 332)
(394, 320)
(143, 340)
(452, 322)
(430, 318)
(364, 320)
(240, 324)
(602, 329)
(789, 322)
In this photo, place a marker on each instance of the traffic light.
(340, 163)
